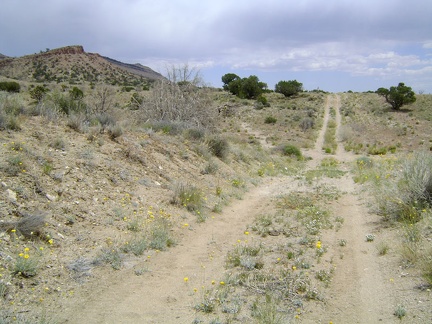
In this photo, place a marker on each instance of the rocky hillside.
(73, 65)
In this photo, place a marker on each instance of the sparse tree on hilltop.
(398, 96)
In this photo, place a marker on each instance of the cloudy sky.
(333, 45)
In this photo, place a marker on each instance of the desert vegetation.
(122, 183)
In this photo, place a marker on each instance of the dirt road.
(359, 292)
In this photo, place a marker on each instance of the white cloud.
(427, 44)
(361, 38)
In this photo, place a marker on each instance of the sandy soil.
(365, 287)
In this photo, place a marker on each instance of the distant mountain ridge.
(72, 64)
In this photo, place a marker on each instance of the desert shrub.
(364, 162)
(9, 122)
(403, 191)
(111, 256)
(58, 143)
(307, 123)
(10, 86)
(14, 165)
(267, 311)
(76, 122)
(76, 93)
(263, 101)
(374, 150)
(105, 120)
(80, 268)
(245, 256)
(270, 120)
(159, 236)
(291, 150)
(168, 127)
(38, 93)
(171, 102)
(329, 162)
(314, 219)
(195, 133)
(3, 290)
(26, 265)
(31, 225)
(210, 168)
(137, 246)
(114, 131)
(219, 147)
(11, 104)
(135, 101)
(189, 197)
(67, 104)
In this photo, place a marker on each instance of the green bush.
(160, 235)
(189, 197)
(219, 147)
(68, 104)
(10, 86)
(9, 122)
(270, 120)
(291, 150)
(307, 123)
(37, 93)
(195, 133)
(115, 131)
(289, 88)
(76, 94)
(26, 265)
(263, 100)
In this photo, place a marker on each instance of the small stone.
(12, 195)
(51, 197)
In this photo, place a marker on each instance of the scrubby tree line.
(252, 88)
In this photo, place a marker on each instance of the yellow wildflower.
(185, 279)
